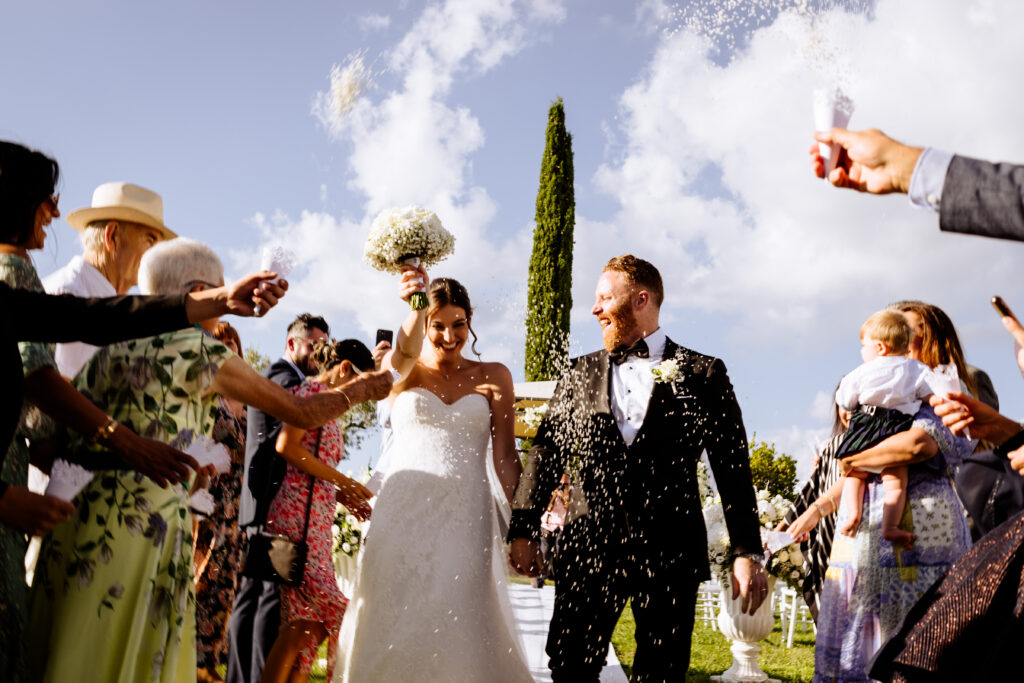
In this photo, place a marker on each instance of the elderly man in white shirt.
(123, 222)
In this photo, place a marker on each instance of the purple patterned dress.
(869, 585)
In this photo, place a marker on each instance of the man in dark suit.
(635, 529)
(971, 196)
(255, 617)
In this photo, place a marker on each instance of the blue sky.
(691, 157)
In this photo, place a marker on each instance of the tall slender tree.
(549, 292)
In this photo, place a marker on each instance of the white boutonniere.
(667, 371)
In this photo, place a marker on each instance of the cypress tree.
(549, 290)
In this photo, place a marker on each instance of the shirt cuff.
(928, 178)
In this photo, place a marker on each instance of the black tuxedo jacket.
(259, 425)
(642, 499)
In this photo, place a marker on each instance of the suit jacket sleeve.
(99, 321)
(544, 466)
(725, 441)
(982, 198)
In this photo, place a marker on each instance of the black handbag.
(272, 557)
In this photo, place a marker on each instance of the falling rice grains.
(728, 24)
(348, 84)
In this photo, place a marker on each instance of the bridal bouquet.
(407, 236)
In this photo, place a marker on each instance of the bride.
(430, 601)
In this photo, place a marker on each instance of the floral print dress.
(218, 545)
(870, 584)
(318, 599)
(18, 273)
(113, 595)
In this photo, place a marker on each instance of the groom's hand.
(749, 584)
(525, 558)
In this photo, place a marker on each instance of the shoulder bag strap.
(312, 483)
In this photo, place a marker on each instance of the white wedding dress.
(430, 600)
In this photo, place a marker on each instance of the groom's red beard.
(623, 321)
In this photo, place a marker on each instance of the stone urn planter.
(745, 631)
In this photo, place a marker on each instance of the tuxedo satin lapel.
(601, 381)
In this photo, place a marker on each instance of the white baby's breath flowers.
(667, 371)
(401, 233)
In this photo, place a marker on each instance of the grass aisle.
(710, 652)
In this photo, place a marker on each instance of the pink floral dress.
(318, 598)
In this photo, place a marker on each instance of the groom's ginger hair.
(639, 272)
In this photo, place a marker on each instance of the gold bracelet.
(835, 505)
(105, 430)
(821, 513)
(342, 392)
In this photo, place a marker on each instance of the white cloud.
(712, 176)
(374, 22)
(411, 146)
(822, 407)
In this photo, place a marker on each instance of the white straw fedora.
(125, 202)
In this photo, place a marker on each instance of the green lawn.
(710, 652)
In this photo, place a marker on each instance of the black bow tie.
(637, 348)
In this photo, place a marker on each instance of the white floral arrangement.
(787, 564)
(667, 371)
(407, 236)
(534, 415)
(347, 533)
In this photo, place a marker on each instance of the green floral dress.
(18, 273)
(113, 596)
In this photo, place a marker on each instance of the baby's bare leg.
(853, 497)
(894, 488)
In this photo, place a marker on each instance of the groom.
(634, 530)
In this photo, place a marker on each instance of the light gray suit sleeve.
(982, 198)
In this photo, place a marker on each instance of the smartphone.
(384, 335)
(1002, 308)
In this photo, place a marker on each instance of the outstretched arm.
(872, 161)
(353, 495)
(237, 380)
(409, 340)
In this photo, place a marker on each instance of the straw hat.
(124, 202)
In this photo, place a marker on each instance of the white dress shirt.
(892, 382)
(929, 178)
(79, 279)
(632, 384)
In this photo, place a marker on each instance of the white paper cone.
(208, 452)
(67, 480)
(832, 109)
(202, 501)
(278, 258)
(775, 541)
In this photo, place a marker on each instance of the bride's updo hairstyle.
(329, 354)
(446, 291)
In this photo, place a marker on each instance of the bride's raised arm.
(507, 464)
(409, 340)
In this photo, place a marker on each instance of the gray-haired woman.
(124, 563)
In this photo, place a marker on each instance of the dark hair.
(940, 343)
(225, 332)
(329, 354)
(639, 272)
(27, 179)
(446, 291)
(307, 321)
